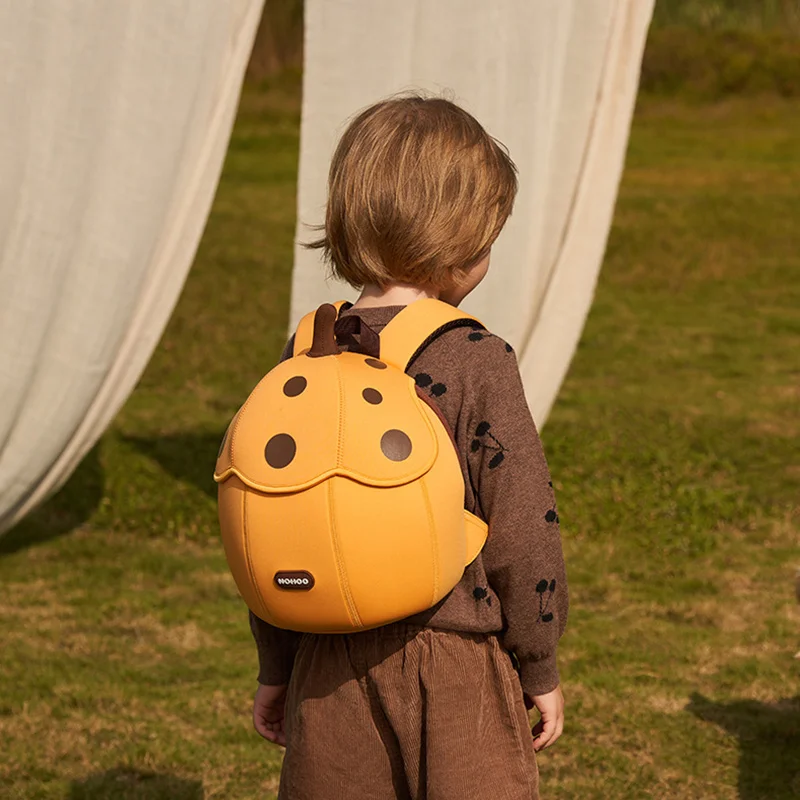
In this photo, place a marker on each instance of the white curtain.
(555, 80)
(114, 122)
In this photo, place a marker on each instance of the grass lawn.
(127, 666)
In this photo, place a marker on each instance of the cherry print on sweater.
(479, 336)
(544, 604)
(551, 516)
(482, 593)
(485, 439)
(425, 381)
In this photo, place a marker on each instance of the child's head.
(417, 194)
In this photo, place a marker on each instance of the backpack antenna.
(324, 341)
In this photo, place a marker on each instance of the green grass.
(684, 61)
(127, 664)
(674, 449)
(755, 15)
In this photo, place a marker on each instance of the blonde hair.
(418, 192)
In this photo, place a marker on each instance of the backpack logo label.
(295, 580)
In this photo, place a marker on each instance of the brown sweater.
(517, 586)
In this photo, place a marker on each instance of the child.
(435, 706)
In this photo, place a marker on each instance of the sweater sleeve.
(522, 557)
(276, 647)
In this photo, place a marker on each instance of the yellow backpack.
(341, 498)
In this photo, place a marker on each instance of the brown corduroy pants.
(406, 712)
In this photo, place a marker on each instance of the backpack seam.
(248, 554)
(344, 582)
(434, 539)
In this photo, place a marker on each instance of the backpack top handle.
(304, 335)
(324, 340)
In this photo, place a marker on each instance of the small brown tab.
(324, 342)
(299, 580)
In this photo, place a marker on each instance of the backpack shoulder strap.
(416, 326)
(305, 329)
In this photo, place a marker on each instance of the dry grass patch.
(150, 634)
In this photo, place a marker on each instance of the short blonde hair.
(418, 192)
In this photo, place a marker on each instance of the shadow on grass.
(769, 742)
(133, 784)
(69, 508)
(189, 457)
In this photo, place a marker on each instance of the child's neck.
(395, 294)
